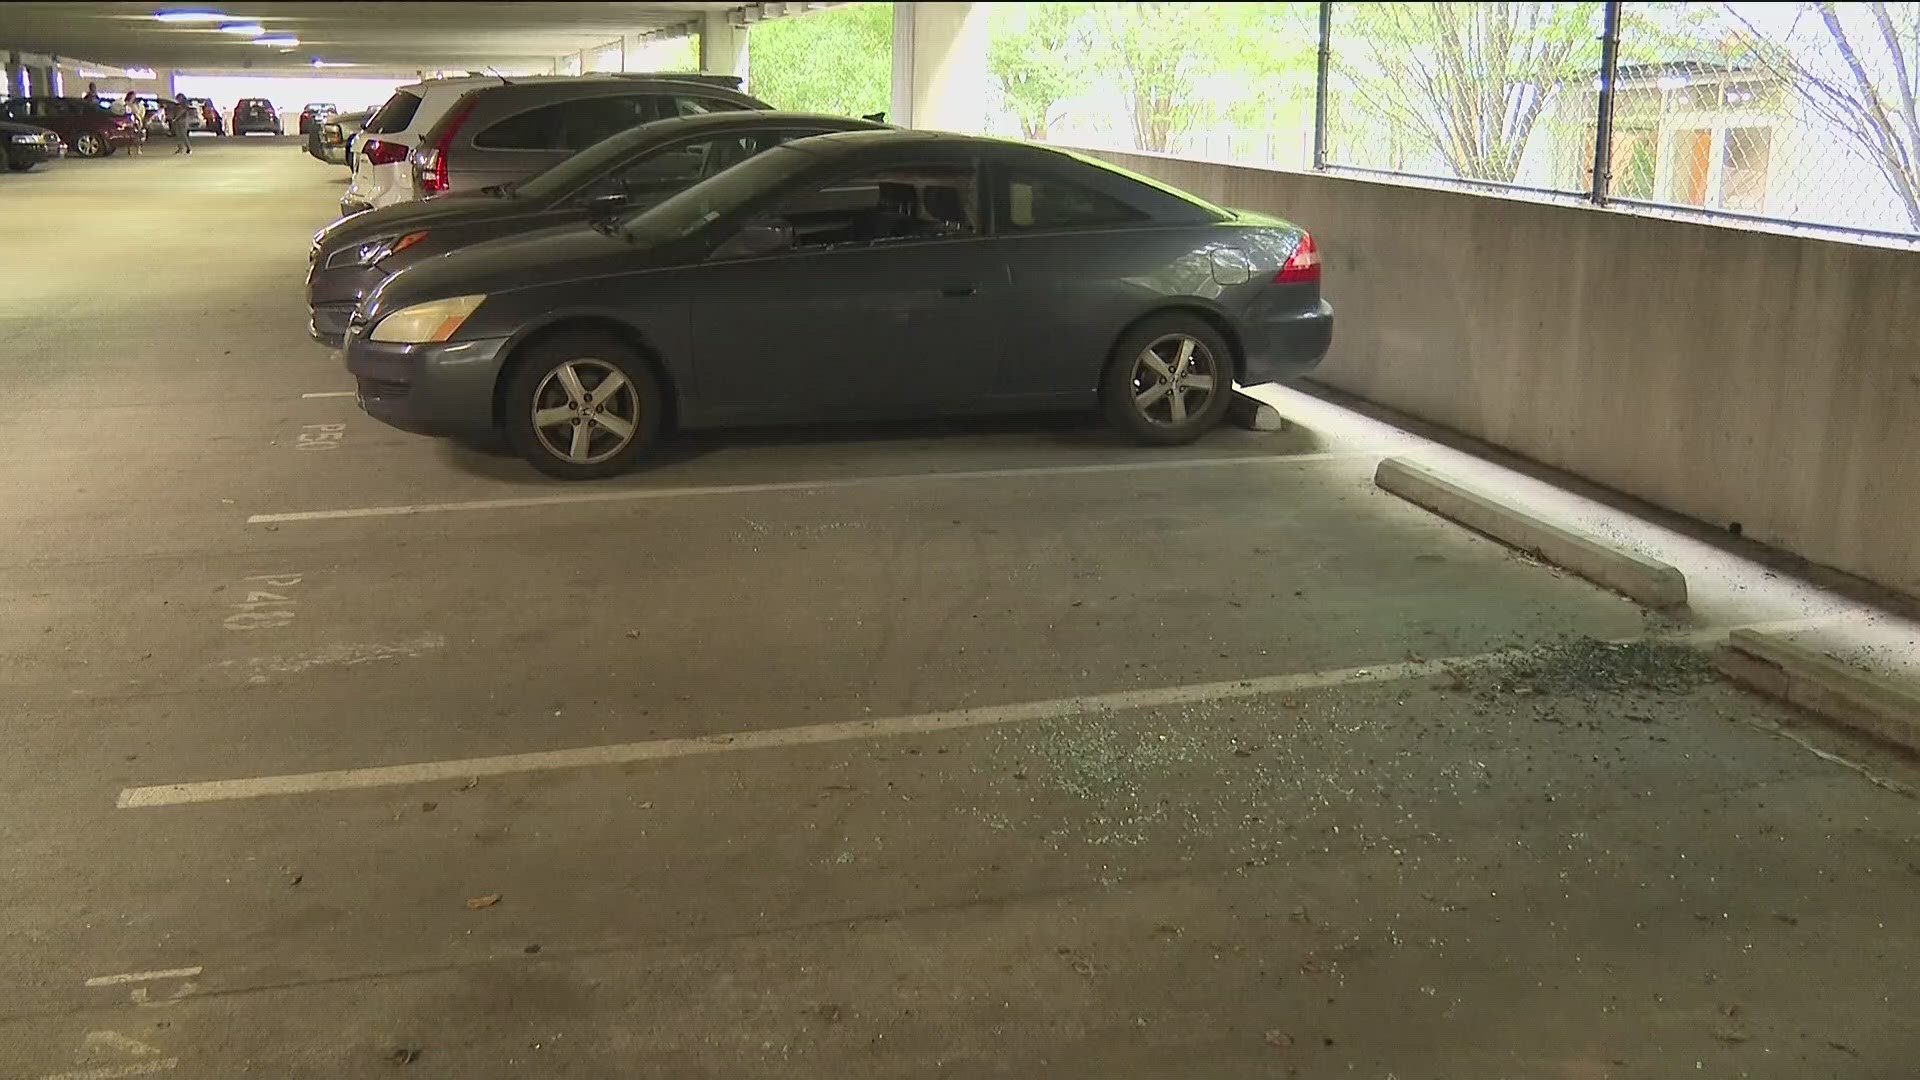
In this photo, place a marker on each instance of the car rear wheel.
(582, 405)
(90, 144)
(1169, 380)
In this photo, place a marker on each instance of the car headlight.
(368, 252)
(435, 320)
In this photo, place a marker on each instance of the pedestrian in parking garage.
(182, 128)
(134, 107)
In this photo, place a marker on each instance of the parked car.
(89, 128)
(317, 113)
(631, 170)
(330, 141)
(864, 273)
(27, 146)
(255, 114)
(431, 138)
(206, 117)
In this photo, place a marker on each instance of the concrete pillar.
(16, 75)
(39, 80)
(723, 46)
(940, 65)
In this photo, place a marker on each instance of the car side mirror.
(761, 236)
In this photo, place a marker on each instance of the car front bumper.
(441, 389)
(1283, 347)
(333, 294)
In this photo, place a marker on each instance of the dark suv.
(256, 114)
(499, 134)
(82, 123)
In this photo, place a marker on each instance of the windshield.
(570, 173)
(717, 196)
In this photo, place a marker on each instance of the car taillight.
(1303, 266)
(430, 165)
(380, 152)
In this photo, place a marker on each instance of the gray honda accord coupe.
(855, 275)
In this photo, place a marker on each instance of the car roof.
(470, 81)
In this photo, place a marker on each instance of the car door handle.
(958, 291)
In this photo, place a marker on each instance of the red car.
(83, 124)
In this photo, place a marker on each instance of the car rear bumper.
(441, 389)
(1285, 347)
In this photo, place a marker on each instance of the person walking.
(136, 109)
(182, 130)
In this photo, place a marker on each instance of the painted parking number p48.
(320, 436)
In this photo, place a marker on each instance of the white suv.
(381, 174)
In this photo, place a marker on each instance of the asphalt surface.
(858, 788)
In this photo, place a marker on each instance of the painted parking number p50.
(267, 605)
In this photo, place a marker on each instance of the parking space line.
(143, 976)
(811, 734)
(635, 494)
(329, 393)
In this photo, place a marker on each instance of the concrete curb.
(1649, 581)
(1862, 700)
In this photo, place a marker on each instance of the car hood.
(419, 214)
(544, 257)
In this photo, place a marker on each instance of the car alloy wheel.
(89, 145)
(1173, 378)
(585, 411)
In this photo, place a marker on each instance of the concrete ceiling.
(392, 37)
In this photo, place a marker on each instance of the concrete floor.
(864, 792)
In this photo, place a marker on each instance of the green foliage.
(839, 60)
(1178, 65)
(1036, 52)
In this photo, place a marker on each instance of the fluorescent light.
(141, 73)
(189, 16)
(286, 41)
(249, 29)
(319, 63)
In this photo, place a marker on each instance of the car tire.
(540, 386)
(1180, 393)
(90, 144)
(19, 166)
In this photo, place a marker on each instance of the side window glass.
(1042, 202)
(535, 129)
(593, 119)
(887, 205)
(698, 106)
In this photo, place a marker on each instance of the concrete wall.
(1726, 374)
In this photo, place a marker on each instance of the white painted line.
(635, 494)
(330, 393)
(143, 976)
(115, 1072)
(812, 734)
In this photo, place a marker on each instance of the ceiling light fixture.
(319, 63)
(245, 29)
(285, 41)
(189, 16)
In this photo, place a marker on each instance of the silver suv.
(506, 132)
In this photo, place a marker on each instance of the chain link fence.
(1789, 115)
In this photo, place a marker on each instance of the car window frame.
(842, 170)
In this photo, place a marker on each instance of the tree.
(839, 60)
(1038, 58)
(1468, 81)
(1156, 53)
(1859, 72)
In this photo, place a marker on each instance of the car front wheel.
(1168, 381)
(582, 405)
(90, 144)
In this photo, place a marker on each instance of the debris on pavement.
(1589, 664)
(486, 901)
(404, 1055)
